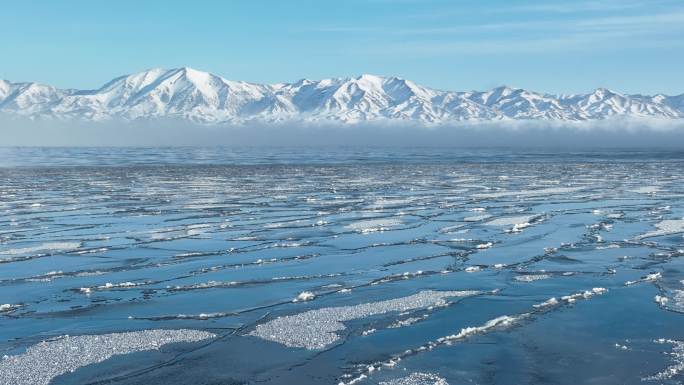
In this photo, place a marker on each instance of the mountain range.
(202, 97)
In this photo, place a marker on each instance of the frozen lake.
(290, 266)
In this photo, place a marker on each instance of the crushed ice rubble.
(677, 357)
(44, 361)
(417, 378)
(8, 307)
(304, 296)
(531, 277)
(315, 329)
(674, 301)
(647, 278)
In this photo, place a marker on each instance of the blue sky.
(553, 46)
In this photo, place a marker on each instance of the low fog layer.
(608, 133)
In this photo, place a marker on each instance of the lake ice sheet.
(549, 270)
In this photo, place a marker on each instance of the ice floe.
(45, 247)
(114, 286)
(584, 295)
(510, 221)
(373, 225)
(647, 278)
(548, 303)
(316, 329)
(476, 218)
(42, 362)
(677, 358)
(304, 296)
(498, 323)
(406, 322)
(528, 193)
(666, 227)
(8, 308)
(518, 222)
(645, 190)
(673, 300)
(200, 316)
(531, 277)
(502, 321)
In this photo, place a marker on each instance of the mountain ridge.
(207, 98)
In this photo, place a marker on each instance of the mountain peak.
(189, 71)
(602, 91)
(190, 94)
(370, 78)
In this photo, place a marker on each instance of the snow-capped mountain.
(207, 98)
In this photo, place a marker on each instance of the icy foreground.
(41, 363)
(202, 97)
(409, 272)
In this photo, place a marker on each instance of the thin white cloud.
(565, 7)
(581, 42)
(660, 30)
(653, 22)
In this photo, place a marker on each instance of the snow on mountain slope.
(203, 97)
(604, 103)
(29, 98)
(674, 102)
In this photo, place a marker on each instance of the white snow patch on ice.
(48, 359)
(315, 329)
(417, 378)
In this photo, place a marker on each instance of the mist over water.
(614, 133)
